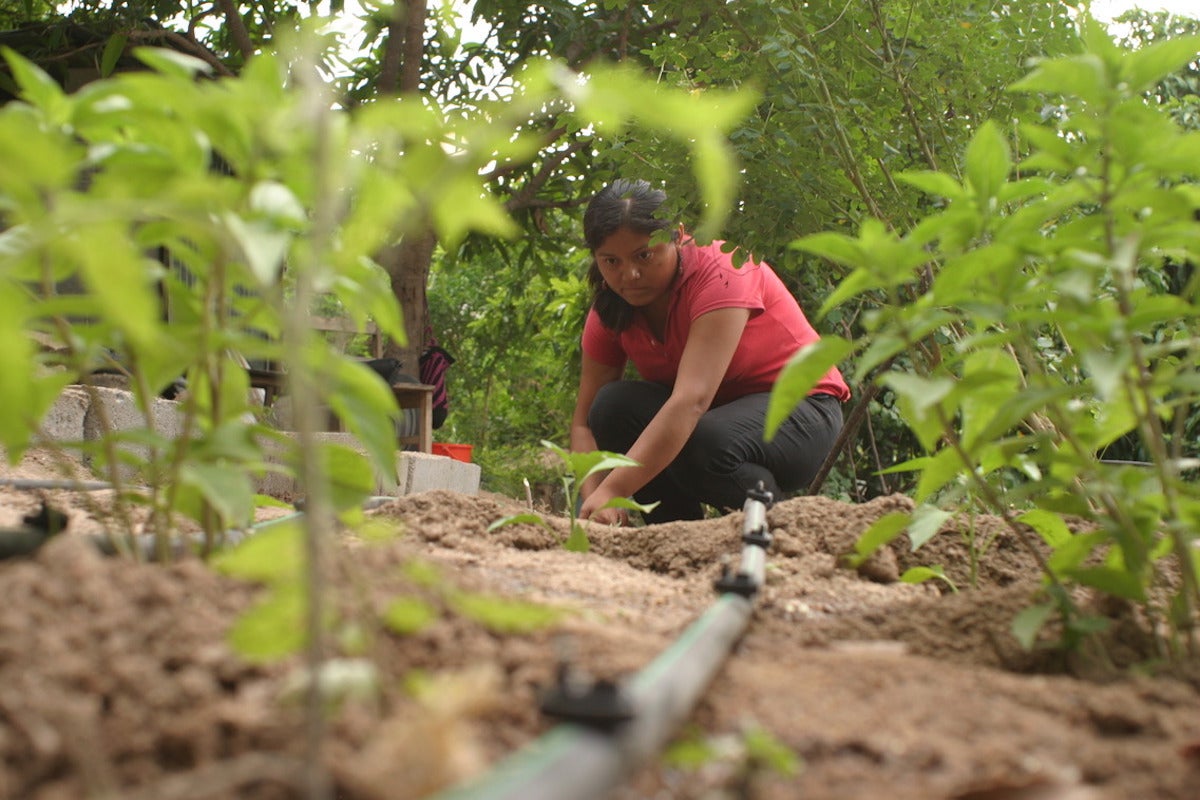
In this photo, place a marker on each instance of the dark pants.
(726, 455)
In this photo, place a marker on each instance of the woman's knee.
(714, 447)
(624, 408)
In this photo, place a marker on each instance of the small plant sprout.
(580, 466)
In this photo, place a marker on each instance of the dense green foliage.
(851, 95)
(1041, 328)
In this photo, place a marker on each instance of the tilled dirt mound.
(118, 679)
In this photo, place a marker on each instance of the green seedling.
(921, 525)
(750, 755)
(580, 466)
(926, 573)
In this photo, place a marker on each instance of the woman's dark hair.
(621, 204)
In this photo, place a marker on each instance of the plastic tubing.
(180, 546)
(575, 762)
(145, 544)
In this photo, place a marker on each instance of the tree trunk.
(409, 261)
(408, 265)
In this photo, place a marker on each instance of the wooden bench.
(420, 397)
(415, 396)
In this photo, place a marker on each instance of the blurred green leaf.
(987, 162)
(1029, 622)
(764, 748)
(274, 555)
(527, 517)
(923, 574)
(1146, 66)
(505, 616)
(272, 628)
(881, 532)
(409, 615)
(577, 540)
(802, 372)
(229, 491)
(1084, 76)
(1049, 526)
(926, 522)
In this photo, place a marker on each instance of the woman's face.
(635, 269)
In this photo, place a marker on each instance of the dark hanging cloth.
(433, 363)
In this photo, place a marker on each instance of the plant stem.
(306, 392)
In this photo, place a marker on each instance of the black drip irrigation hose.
(181, 546)
(26, 539)
(42, 483)
(591, 756)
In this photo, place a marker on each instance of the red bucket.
(459, 452)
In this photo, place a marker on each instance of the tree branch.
(525, 197)
(237, 28)
(185, 44)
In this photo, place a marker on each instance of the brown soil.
(117, 679)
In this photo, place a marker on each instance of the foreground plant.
(580, 466)
(1044, 314)
(196, 218)
(202, 216)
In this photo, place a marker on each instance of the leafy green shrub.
(264, 197)
(1041, 334)
(214, 203)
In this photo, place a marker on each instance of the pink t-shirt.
(776, 330)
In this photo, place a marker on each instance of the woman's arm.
(711, 343)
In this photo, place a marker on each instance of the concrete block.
(123, 414)
(415, 472)
(64, 421)
(114, 410)
(276, 485)
(421, 472)
(74, 418)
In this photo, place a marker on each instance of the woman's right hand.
(591, 509)
(617, 517)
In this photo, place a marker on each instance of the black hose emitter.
(739, 583)
(602, 704)
(576, 697)
(36, 529)
(760, 494)
(754, 526)
(760, 537)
